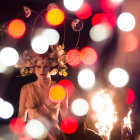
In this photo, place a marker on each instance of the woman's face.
(42, 68)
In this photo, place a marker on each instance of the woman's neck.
(44, 82)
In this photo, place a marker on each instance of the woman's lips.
(42, 74)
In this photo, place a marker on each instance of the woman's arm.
(22, 102)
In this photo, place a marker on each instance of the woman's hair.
(55, 54)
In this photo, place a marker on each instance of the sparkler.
(106, 115)
(126, 128)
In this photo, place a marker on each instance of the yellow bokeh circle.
(57, 93)
(55, 17)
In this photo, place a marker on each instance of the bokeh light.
(3, 68)
(86, 78)
(131, 42)
(16, 28)
(57, 93)
(130, 96)
(39, 44)
(35, 129)
(118, 77)
(110, 5)
(73, 57)
(84, 12)
(55, 17)
(69, 125)
(100, 32)
(52, 36)
(73, 5)
(126, 22)
(68, 86)
(89, 55)
(9, 56)
(79, 107)
(17, 125)
(25, 138)
(107, 18)
(6, 110)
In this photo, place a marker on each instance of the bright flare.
(80, 107)
(36, 129)
(100, 32)
(73, 5)
(103, 106)
(9, 56)
(6, 109)
(52, 36)
(126, 22)
(118, 77)
(127, 120)
(3, 68)
(39, 44)
(86, 78)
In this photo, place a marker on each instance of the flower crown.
(55, 54)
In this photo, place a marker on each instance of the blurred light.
(68, 86)
(89, 55)
(6, 110)
(73, 5)
(57, 93)
(35, 129)
(80, 107)
(117, 1)
(17, 125)
(39, 44)
(3, 68)
(86, 78)
(130, 96)
(107, 18)
(100, 32)
(52, 36)
(73, 57)
(9, 56)
(126, 22)
(118, 77)
(131, 42)
(84, 12)
(109, 5)
(69, 125)
(25, 138)
(16, 28)
(55, 17)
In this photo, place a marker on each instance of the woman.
(34, 100)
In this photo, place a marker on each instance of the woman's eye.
(38, 66)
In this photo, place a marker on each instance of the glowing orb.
(57, 93)
(130, 96)
(73, 5)
(55, 17)
(131, 42)
(100, 32)
(86, 78)
(89, 55)
(109, 19)
(52, 36)
(39, 44)
(6, 110)
(9, 56)
(80, 107)
(118, 77)
(17, 125)
(69, 125)
(68, 85)
(35, 129)
(84, 12)
(126, 22)
(73, 57)
(16, 28)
